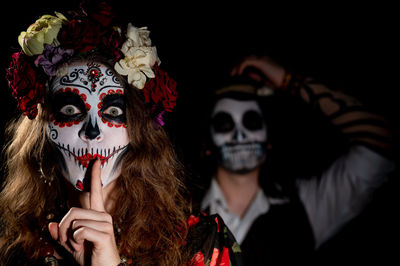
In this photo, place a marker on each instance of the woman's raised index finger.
(96, 190)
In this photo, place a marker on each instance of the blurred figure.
(274, 224)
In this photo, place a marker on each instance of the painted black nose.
(91, 132)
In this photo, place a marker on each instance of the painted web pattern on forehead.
(90, 79)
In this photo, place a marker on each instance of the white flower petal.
(133, 75)
(145, 56)
(126, 47)
(139, 83)
(121, 67)
(137, 79)
(139, 52)
(147, 71)
(154, 57)
(132, 33)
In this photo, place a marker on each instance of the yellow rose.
(43, 31)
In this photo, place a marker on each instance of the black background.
(350, 47)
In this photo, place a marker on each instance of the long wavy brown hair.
(150, 207)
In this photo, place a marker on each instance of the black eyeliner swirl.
(53, 133)
(72, 77)
(110, 73)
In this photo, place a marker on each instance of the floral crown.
(51, 41)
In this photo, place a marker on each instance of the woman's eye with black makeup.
(68, 107)
(70, 110)
(113, 111)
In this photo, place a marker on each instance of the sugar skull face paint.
(239, 133)
(88, 121)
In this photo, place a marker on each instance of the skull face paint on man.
(239, 132)
(88, 121)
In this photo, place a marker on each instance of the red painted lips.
(85, 159)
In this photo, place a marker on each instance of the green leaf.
(236, 248)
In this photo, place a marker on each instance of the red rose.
(91, 29)
(85, 34)
(161, 89)
(27, 84)
(81, 35)
(102, 13)
(111, 43)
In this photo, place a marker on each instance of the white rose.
(139, 36)
(137, 65)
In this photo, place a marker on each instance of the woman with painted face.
(275, 221)
(92, 178)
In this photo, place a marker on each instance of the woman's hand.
(88, 234)
(274, 72)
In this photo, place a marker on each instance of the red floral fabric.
(192, 220)
(216, 244)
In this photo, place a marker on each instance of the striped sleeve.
(347, 186)
(358, 125)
